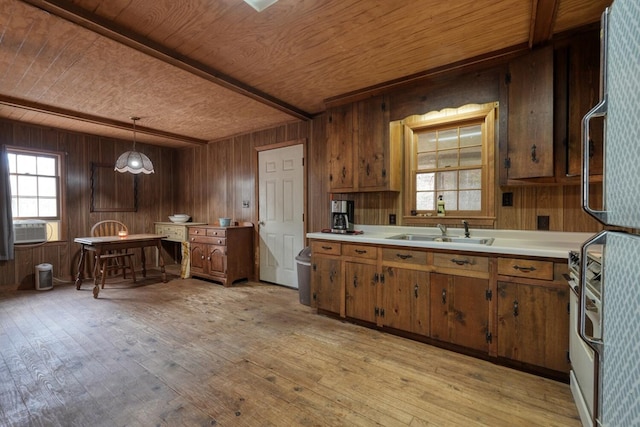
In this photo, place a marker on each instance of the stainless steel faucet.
(443, 228)
(466, 229)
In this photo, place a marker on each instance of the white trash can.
(304, 275)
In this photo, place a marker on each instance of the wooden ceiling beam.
(543, 19)
(88, 118)
(70, 12)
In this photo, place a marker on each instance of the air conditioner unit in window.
(29, 231)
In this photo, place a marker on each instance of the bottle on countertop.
(440, 211)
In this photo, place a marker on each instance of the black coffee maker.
(342, 216)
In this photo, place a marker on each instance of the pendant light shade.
(133, 161)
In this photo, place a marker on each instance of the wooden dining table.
(104, 244)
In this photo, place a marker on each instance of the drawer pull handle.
(415, 290)
(524, 269)
(444, 296)
(327, 248)
(361, 251)
(460, 261)
(515, 308)
(404, 256)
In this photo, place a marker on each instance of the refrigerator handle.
(595, 343)
(600, 110)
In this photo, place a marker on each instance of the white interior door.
(281, 210)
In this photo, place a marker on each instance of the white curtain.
(6, 221)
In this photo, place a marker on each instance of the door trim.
(256, 195)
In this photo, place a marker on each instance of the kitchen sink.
(439, 238)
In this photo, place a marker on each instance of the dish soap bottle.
(440, 210)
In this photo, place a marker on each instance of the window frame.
(56, 225)
(483, 114)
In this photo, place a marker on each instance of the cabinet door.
(340, 139)
(405, 300)
(533, 324)
(360, 287)
(197, 256)
(326, 286)
(460, 310)
(373, 152)
(440, 301)
(217, 260)
(584, 94)
(530, 123)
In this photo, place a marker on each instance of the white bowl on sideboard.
(179, 218)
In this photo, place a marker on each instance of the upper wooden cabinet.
(530, 149)
(583, 63)
(549, 91)
(362, 158)
(340, 139)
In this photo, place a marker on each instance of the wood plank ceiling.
(197, 71)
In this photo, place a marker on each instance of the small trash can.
(303, 261)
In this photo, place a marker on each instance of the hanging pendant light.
(133, 161)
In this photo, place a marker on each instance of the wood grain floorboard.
(194, 353)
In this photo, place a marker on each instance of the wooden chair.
(114, 261)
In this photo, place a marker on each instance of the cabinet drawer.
(216, 232)
(173, 233)
(329, 248)
(208, 240)
(405, 256)
(525, 268)
(359, 251)
(461, 262)
(197, 231)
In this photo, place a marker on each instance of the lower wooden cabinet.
(326, 283)
(361, 285)
(449, 297)
(405, 300)
(533, 324)
(327, 289)
(221, 254)
(460, 311)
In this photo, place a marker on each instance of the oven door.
(582, 376)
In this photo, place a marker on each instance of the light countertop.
(551, 244)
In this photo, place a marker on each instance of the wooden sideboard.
(221, 254)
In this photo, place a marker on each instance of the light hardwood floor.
(190, 352)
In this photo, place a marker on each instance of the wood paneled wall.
(155, 197)
(214, 180)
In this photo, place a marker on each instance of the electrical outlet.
(507, 199)
(543, 222)
(392, 219)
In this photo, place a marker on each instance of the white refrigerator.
(617, 342)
